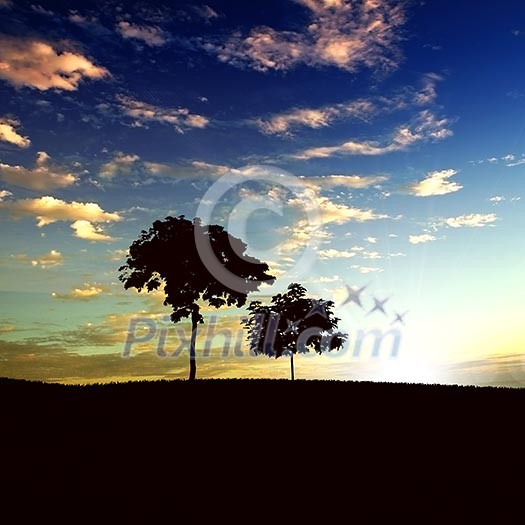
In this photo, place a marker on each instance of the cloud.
(335, 254)
(283, 123)
(86, 230)
(330, 211)
(121, 164)
(365, 269)
(153, 36)
(428, 94)
(345, 181)
(206, 12)
(9, 134)
(44, 176)
(142, 113)
(472, 220)
(193, 169)
(420, 239)
(6, 4)
(372, 240)
(4, 194)
(435, 183)
(425, 127)
(286, 122)
(37, 64)
(45, 261)
(48, 210)
(342, 34)
(497, 199)
(87, 293)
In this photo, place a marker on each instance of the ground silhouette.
(261, 450)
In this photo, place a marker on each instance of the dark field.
(316, 445)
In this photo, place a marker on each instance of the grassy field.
(244, 442)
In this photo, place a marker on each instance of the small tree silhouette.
(293, 323)
(167, 254)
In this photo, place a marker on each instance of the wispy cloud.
(435, 183)
(332, 253)
(47, 260)
(206, 12)
(344, 181)
(122, 163)
(428, 93)
(143, 113)
(87, 293)
(343, 34)
(425, 127)
(43, 66)
(287, 122)
(152, 36)
(366, 269)
(284, 123)
(8, 133)
(44, 176)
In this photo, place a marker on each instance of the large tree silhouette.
(293, 323)
(168, 255)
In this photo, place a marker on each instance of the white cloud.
(47, 260)
(497, 199)
(335, 254)
(153, 36)
(87, 293)
(426, 127)
(435, 183)
(343, 34)
(420, 239)
(365, 269)
(4, 194)
(346, 181)
(88, 231)
(333, 212)
(121, 164)
(143, 113)
(372, 240)
(9, 134)
(44, 176)
(37, 64)
(472, 220)
(48, 210)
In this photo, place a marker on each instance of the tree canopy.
(293, 323)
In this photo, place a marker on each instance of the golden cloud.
(9, 134)
(37, 64)
(44, 176)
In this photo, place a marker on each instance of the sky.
(351, 144)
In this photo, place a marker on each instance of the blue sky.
(399, 126)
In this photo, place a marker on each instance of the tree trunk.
(195, 317)
(291, 366)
